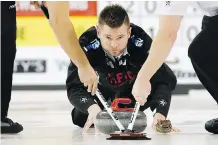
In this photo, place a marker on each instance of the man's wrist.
(142, 77)
(92, 107)
(83, 64)
(159, 116)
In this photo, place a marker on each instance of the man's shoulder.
(89, 39)
(135, 28)
(138, 35)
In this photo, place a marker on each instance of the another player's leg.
(203, 54)
(8, 48)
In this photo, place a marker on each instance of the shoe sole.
(11, 130)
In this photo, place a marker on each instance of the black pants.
(203, 53)
(8, 52)
(154, 101)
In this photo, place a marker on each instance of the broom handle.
(109, 110)
(133, 117)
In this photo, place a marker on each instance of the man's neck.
(123, 53)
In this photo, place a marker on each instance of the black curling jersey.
(117, 74)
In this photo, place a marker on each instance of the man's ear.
(97, 29)
(129, 32)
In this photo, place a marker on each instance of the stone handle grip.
(117, 101)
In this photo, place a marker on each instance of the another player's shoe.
(212, 126)
(8, 126)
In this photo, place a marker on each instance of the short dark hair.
(114, 16)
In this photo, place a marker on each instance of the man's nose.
(114, 44)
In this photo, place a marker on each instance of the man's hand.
(93, 111)
(160, 120)
(141, 90)
(89, 78)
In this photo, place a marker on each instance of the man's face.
(114, 40)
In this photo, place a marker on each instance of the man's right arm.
(76, 91)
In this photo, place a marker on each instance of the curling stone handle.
(117, 101)
(109, 110)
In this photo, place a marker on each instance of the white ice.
(46, 118)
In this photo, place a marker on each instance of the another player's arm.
(65, 32)
(161, 46)
(163, 81)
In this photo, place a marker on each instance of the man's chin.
(115, 53)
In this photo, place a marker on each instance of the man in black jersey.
(116, 49)
(8, 52)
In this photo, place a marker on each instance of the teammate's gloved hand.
(141, 89)
(89, 78)
(93, 111)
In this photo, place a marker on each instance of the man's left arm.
(163, 83)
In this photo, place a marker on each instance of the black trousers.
(8, 52)
(203, 53)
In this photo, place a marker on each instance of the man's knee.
(78, 118)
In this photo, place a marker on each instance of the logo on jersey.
(137, 41)
(119, 79)
(94, 45)
(162, 102)
(84, 99)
